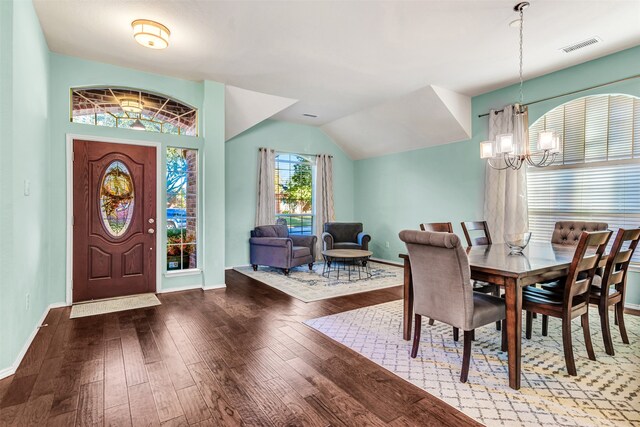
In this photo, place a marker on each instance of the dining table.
(538, 262)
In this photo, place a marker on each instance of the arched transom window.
(132, 109)
(597, 178)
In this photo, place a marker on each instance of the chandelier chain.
(520, 72)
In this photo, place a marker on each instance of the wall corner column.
(213, 185)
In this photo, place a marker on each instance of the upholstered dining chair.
(574, 299)
(441, 278)
(447, 227)
(568, 232)
(611, 288)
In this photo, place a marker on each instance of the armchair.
(272, 245)
(345, 235)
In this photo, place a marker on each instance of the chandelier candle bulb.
(504, 143)
(486, 149)
(547, 140)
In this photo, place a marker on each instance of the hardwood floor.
(236, 356)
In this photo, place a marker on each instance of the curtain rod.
(573, 92)
(289, 152)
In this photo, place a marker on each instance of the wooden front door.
(114, 220)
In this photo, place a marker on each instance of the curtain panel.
(505, 191)
(266, 189)
(323, 202)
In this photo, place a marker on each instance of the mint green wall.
(241, 174)
(68, 72)
(24, 94)
(213, 199)
(446, 183)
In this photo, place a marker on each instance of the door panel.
(114, 199)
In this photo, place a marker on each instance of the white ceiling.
(342, 57)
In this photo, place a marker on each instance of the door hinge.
(73, 156)
(73, 221)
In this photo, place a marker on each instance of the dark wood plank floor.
(235, 356)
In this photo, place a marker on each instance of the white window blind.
(598, 176)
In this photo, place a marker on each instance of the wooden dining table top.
(538, 258)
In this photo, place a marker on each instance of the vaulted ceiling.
(346, 61)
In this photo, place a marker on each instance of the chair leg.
(529, 324)
(416, 336)
(473, 335)
(455, 334)
(466, 356)
(606, 331)
(568, 346)
(431, 322)
(623, 330)
(545, 325)
(587, 336)
(615, 317)
(504, 335)
(255, 267)
(496, 293)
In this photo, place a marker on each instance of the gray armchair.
(345, 235)
(442, 289)
(271, 245)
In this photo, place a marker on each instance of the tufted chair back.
(568, 232)
(441, 277)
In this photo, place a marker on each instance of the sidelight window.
(182, 209)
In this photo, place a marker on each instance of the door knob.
(151, 220)
(151, 231)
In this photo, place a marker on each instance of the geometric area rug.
(111, 305)
(309, 285)
(606, 392)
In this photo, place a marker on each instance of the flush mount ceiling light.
(509, 151)
(130, 105)
(150, 34)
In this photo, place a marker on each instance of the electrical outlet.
(27, 301)
(386, 244)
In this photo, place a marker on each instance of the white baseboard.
(179, 288)
(192, 287)
(632, 306)
(386, 261)
(241, 265)
(12, 369)
(210, 287)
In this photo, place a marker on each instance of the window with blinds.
(597, 177)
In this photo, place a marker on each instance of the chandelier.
(515, 152)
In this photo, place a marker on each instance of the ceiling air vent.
(580, 45)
